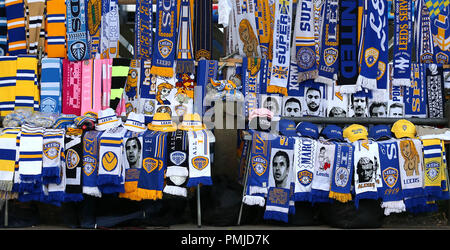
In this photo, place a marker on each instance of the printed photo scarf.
(245, 20)
(132, 143)
(323, 169)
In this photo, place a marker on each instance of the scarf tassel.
(174, 190)
(276, 89)
(367, 83)
(162, 71)
(365, 195)
(131, 196)
(349, 89)
(319, 196)
(92, 191)
(146, 194)
(340, 196)
(252, 200)
(6, 185)
(51, 175)
(177, 171)
(73, 197)
(393, 207)
(31, 178)
(303, 196)
(110, 189)
(29, 187)
(29, 197)
(130, 191)
(325, 80)
(433, 192)
(307, 75)
(199, 180)
(257, 190)
(402, 82)
(274, 215)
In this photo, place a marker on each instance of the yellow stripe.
(7, 165)
(131, 125)
(30, 156)
(106, 122)
(111, 141)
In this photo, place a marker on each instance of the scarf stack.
(34, 23)
(281, 48)
(110, 171)
(165, 38)
(151, 178)
(367, 173)
(203, 29)
(16, 27)
(8, 159)
(55, 43)
(90, 162)
(392, 194)
(323, 170)
(329, 62)
(402, 43)
(305, 151)
(51, 84)
(74, 164)
(3, 30)
(8, 76)
(415, 97)
(372, 43)
(258, 173)
(53, 150)
(433, 168)
(199, 159)
(77, 36)
(348, 47)
(110, 29)
(177, 167)
(439, 13)
(94, 19)
(435, 90)
(132, 143)
(342, 174)
(185, 48)
(262, 17)
(143, 23)
(71, 87)
(424, 47)
(27, 92)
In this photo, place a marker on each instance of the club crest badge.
(341, 177)
(306, 57)
(441, 58)
(305, 177)
(259, 165)
(89, 164)
(51, 149)
(109, 161)
(432, 170)
(371, 56)
(330, 56)
(72, 159)
(150, 164)
(165, 47)
(390, 176)
(177, 157)
(48, 105)
(200, 162)
(78, 50)
(381, 70)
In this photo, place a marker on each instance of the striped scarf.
(91, 88)
(53, 151)
(16, 27)
(106, 82)
(77, 37)
(423, 40)
(251, 82)
(433, 168)
(185, 46)
(94, 19)
(203, 29)
(51, 84)
(3, 29)
(415, 97)
(199, 159)
(262, 16)
(109, 36)
(8, 77)
(73, 152)
(27, 91)
(71, 87)
(439, 14)
(90, 162)
(132, 143)
(143, 23)
(8, 152)
(119, 74)
(55, 26)
(34, 23)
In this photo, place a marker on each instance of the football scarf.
(94, 19)
(277, 206)
(52, 158)
(3, 30)
(342, 174)
(391, 192)
(281, 48)
(439, 13)
(251, 82)
(119, 75)
(143, 23)
(91, 86)
(26, 89)
(435, 89)
(110, 29)
(132, 143)
(262, 16)
(372, 43)
(415, 97)
(206, 70)
(106, 82)
(34, 20)
(185, 48)
(110, 170)
(411, 168)
(348, 47)
(165, 38)
(55, 43)
(402, 43)
(71, 87)
(90, 162)
(329, 63)
(336, 102)
(16, 27)
(77, 36)
(203, 29)
(30, 153)
(147, 92)
(8, 77)
(8, 152)
(199, 159)
(367, 172)
(131, 94)
(51, 84)
(151, 178)
(423, 42)
(305, 150)
(258, 173)
(383, 60)
(433, 168)
(55, 193)
(323, 169)
(74, 163)
(177, 163)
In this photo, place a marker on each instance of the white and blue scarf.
(51, 85)
(199, 158)
(342, 175)
(252, 68)
(423, 41)
(435, 90)
(206, 70)
(90, 162)
(143, 23)
(147, 92)
(305, 150)
(415, 96)
(110, 29)
(53, 149)
(402, 43)
(323, 169)
(77, 34)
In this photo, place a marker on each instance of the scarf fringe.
(340, 196)
(174, 190)
(252, 200)
(51, 180)
(131, 196)
(56, 196)
(105, 179)
(307, 75)
(6, 185)
(50, 172)
(303, 196)
(273, 215)
(393, 207)
(401, 82)
(92, 191)
(319, 196)
(414, 192)
(73, 197)
(433, 192)
(177, 171)
(326, 80)
(162, 71)
(6, 195)
(349, 89)
(146, 194)
(29, 197)
(367, 83)
(29, 187)
(31, 178)
(276, 90)
(207, 181)
(257, 190)
(110, 189)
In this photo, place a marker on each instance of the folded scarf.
(27, 92)
(110, 170)
(8, 78)
(433, 168)
(367, 173)
(165, 38)
(93, 20)
(147, 98)
(342, 174)
(439, 13)
(90, 162)
(435, 89)
(329, 63)
(392, 194)
(304, 50)
(64, 121)
(177, 163)
(199, 159)
(262, 18)
(53, 150)
(132, 143)
(258, 174)
(281, 43)
(55, 44)
(51, 84)
(203, 29)
(402, 43)
(77, 34)
(348, 47)
(8, 152)
(323, 169)
(3, 29)
(73, 158)
(185, 48)
(71, 87)
(305, 151)
(415, 97)
(151, 178)
(423, 40)
(142, 26)
(110, 29)
(16, 27)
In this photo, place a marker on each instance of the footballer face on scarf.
(280, 168)
(313, 99)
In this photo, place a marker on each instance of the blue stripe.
(432, 147)
(8, 154)
(30, 159)
(432, 155)
(31, 153)
(111, 145)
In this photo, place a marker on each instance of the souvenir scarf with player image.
(244, 11)
(402, 43)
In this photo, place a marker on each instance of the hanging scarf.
(16, 27)
(251, 82)
(110, 29)
(185, 48)
(106, 82)
(132, 143)
(199, 159)
(53, 149)
(131, 94)
(258, 174)
(77, 36)
(367, 173)
(435, 90)
(3, 29)
(392, 194)
(147, 105)
(30, 154)
(203, 30)
(336, 102)
(395, 99)
(90, 162)
(383, 60)
(439, 14)
(348, 46)
(8, 76)
(119, 74)
(318, 16)
(55, 43)
(415, 97)
(281, 53)
(26, 89)
(94, 19)
(73, 158)
(305, 150)
(51, 83)
(88, 88)
(206, 70)
(247, 31)
(304, 50)
(55, 193)
(110, 170)
(402, 43)
(424, 47)
(34, 20)
(165, 38)
(433, 168)
(342, 174)
(329, 63)
(372, 43)
(323, 169)
(151, 178)
(177, 166)
(143, 30)
(71, 88)
(262, 18)
(8, 154)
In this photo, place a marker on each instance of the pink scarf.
(71, 94)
